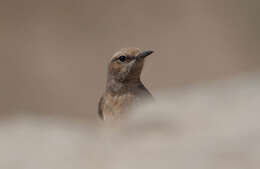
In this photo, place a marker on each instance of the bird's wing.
(100, 107)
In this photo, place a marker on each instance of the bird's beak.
(142, 55)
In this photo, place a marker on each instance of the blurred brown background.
(53, 53)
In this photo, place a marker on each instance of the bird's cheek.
(124, 69)
(115, 68)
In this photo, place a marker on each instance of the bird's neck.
(116, 87)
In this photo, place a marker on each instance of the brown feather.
(124, 88)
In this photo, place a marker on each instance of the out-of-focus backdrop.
(53, 53)
(53, 58)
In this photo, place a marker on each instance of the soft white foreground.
(208, 126)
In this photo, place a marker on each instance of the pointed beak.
(142, 55)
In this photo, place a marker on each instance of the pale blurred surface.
(53, 53)
(207, 126)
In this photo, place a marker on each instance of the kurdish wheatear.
(123, 88)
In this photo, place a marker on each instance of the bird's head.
(127, 64)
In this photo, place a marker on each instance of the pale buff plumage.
(124, 88)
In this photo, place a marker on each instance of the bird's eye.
(122, 58)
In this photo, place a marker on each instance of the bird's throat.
(115, 87)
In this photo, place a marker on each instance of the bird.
(124, 89)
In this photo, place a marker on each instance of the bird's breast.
(116, 105)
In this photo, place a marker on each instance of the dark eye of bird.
(122, 58)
